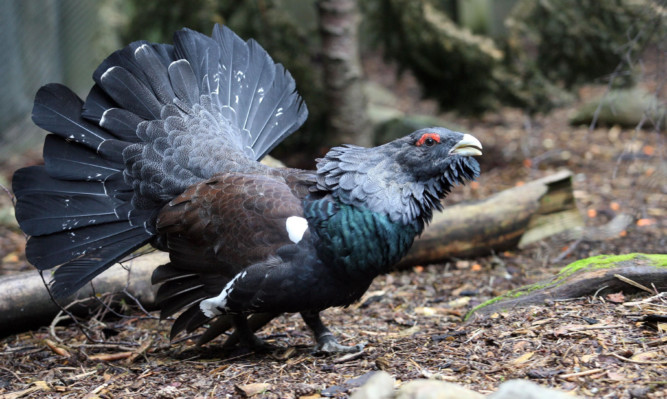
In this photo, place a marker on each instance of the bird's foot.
(327, 344)
(253, 343)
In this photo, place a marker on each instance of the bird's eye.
(428, 139)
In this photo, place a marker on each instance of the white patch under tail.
(212, 307)
(296, 227)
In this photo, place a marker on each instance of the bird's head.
(438, 154)
(406, 178)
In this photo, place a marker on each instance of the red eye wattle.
(428, 139)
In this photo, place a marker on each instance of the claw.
(328, 345)
(326, 342)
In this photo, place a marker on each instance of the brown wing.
(229, 222)
(213, 231)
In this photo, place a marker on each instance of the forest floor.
(411, 320)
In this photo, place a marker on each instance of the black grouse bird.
(165, 151)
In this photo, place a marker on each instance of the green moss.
(515, 293)
(595, 262)
(608, 261)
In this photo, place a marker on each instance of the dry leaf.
(11, 257)
(409, 331)
(647, 356)
(616, 298)
(645, 222)
(459, 302)
(426, 311)
(523, 358)
(249, 390)
(587, 358)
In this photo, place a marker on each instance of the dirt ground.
(411, 320)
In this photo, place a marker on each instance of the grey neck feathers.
(375, 179)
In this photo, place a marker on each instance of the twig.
(108, 357)
(634, 283)
(140, 351)
(139, 305)
(647, 300)
(598, 291)
(11, 196)
(579, 374)
(568, 251)
(607, 327)
(124, 346)
(56, 349)
(18, 377)
(638, 361)
(657, 342)
(64, 309)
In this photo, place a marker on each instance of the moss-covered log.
(599, 275)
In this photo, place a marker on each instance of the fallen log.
(511, 218)
(25, 302)
(599, 275)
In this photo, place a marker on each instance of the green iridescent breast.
(359, 242)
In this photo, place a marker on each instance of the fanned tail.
(76, 206)
(158, 119)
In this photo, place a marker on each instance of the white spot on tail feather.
(103, 120)
(212, 307)
(107, 72)
(296, 227)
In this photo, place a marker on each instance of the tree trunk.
(347, 117)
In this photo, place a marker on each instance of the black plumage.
(164, 151)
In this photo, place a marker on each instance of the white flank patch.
(296, 227)
(211, 307)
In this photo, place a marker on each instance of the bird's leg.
(326, 342)
(254, 322)
(246, 336)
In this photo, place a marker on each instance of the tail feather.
(262, 71)
(177, 288)
(268, 110)
(234, 62)
(156, 73)
(76, 273)
(123, 124)
(97, 102)
(73, 204)
(58, 110)
(184, 82)
(201, 52)
(190, 320)
(130, 93)
(122, 58)
(278, 115)
(69, 162)
(165, 273)
(172, 305)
